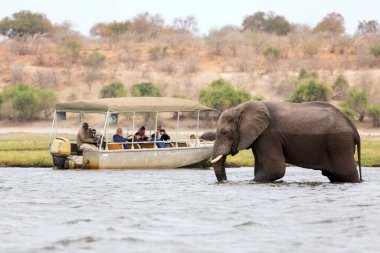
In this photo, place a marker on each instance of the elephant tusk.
(217, 159)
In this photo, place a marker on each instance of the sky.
(83, 14)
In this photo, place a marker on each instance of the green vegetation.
(374, 113)
(375, 50)
(32, 151)
(304, 74)
(310, 90)
(370, 156)
(271, 52)
(95, 60)
(145, 89)
(110, 29)
(267, 22)
(26, 103)
(332, 23)
(221, 95)
(340, 87)
(113, 90)
(355, 105)
(72, 48)
(25, 23)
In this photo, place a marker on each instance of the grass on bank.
(30, 150)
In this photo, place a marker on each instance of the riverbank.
(30, 150)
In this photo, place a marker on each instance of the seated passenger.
(86, 139)
(118, 137)
(141, 133)
(161, 136)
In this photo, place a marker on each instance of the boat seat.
(146, 145)
(169, 145)
(115, 146)
(182, 145)
(135, 146)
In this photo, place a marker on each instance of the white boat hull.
(158, 158)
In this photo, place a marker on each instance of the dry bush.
(17, 74)
(19, 47)
(46, 79)
(364, 59)
(311, 47)
(191, 66)
(341, 44)
(246, 63)
(286, 87)
(166, 65)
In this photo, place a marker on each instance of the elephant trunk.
(219, 168)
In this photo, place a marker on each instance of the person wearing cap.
(118, 137)
(86, 138)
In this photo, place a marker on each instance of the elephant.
(314, 135)
(208, 136)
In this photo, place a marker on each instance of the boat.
(175, 153)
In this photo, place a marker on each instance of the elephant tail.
(359, 160)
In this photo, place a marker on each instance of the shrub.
(113, 90)
(340, 87)
(221, 95)
(146, 89)
(26, 103)
(310, 90)
(25, 22)
(271, 52)
(355, 104)
(331, 23)
(304, 74)
(95, 60)
(375, 50)
(267, 22)
(156, 53)
(259, 98)
(374, 113)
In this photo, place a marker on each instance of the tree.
(310, 90)
(145, 89)
(369, 27)
(221, 95)
(25, 23)
(113, 90)
(340, 87)
(375, 50)
(304, 74)
(94, 61)
(260, 21)
(187, 24)
(26, 103)
(374, 113)
(331, 23)
(111, 29)
(355, 105)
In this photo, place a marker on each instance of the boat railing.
(181, 143)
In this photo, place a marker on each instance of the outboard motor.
(60, 149)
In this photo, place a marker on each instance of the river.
(183, 210)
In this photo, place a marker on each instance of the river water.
(183, 210)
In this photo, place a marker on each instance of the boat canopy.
(132, 104)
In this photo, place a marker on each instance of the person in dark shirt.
(118, 137)
(161, 136)
(141, 133)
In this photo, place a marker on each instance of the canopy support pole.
(104, 132)
(176, 134)
(197, 133)
(52, 127)
(155, 131)
(133, 130)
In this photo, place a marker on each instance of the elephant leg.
(343, 169)
(269, 161)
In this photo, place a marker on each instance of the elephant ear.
(254, 119)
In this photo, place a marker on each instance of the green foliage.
(374, 113)
(145, 89)
(267, 22)
(95, 60)
(331, 23)
(271, 52)
(113, 90)
(25, 22)
(26, 103)
(304, 74)
(156, 53)
(259, 98)
(110, 29)
(375, 50)
(340, 87)
(310, 90)
(355, 104)
(221, 95)
(72, 47)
